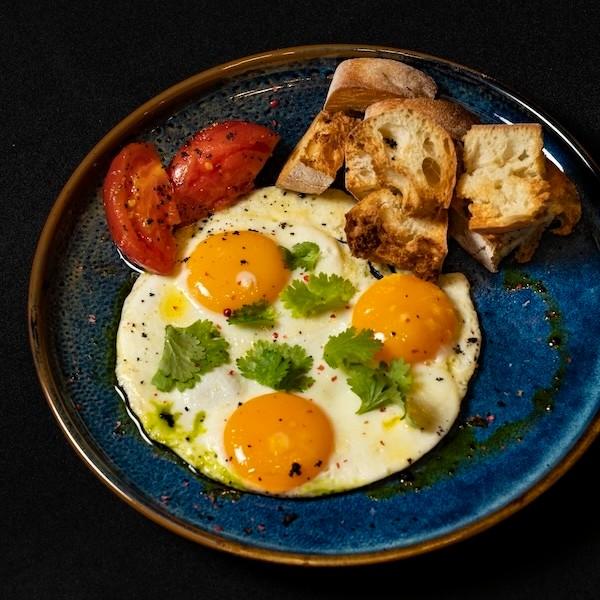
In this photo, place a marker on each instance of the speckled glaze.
(512, 439)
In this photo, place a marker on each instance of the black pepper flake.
(144, 334)
(318, 463)
(477, 421)
(472, 340)
(390, 142)
(296, 469)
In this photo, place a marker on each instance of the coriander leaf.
(371, 386)
(320, 293)
(276, 365)
(189, 353)
(351, 347)
(304, 255)
(383, 385)
(399, 372)
(260, 314)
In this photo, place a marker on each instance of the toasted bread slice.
(312, 166)
(398, 149)
(490, 248)
(504, 177)
(452, 117)
(382, 227)
(564, 199)
(358, 82)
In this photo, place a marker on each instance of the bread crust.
(382, 227)
(452, 117)
(314, 162)
(565, 204)
(358, 82)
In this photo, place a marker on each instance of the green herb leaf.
(320, 293)
(260, 314)
(189, 353)
(351, 347)
(276, 365)
(354, 353)
(377, 387)
(304, 255)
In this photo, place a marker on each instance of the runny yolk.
(413, 318)
(233, 268)
(278, 441)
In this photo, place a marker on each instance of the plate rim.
(164, 102)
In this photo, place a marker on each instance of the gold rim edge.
(37, 332)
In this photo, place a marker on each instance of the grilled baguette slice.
(452, 117)
(312, 166)
(504, 177)
(358, 82)
(401, 149)
(384, 227)
(490, 248)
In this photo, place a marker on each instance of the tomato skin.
(140, 208)
(217, 165)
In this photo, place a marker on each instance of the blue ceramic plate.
(532, 407)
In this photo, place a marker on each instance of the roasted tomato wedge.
(140, 208)
(217, 165)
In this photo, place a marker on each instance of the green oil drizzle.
(462, 445)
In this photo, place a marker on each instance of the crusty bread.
(383, 227)
(490, 248)
(453, 117)
(312, 166)
(504, 177)
(565, 205)
(398, 149)
(358, 82)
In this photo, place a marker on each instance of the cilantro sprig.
(259, 314)
(304, 255)
(319, 294)
(375, 384)
(189, 353)
(277, 365)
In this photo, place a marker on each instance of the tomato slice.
(140, 208)
(217, 165)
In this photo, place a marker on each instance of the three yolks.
(279, 440)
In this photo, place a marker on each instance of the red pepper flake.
(306, 278)
(92, 319)
(165, 498)
(274, 103)
(260, 528)
(227, 312)
(231, 372)
(332, 316)
(334, 378)
(490, 418)
(274, 123)
(275, 335)
(321, 367)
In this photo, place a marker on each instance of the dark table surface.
(70, 72)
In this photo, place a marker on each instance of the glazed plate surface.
(532, 407)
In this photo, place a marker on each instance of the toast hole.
(431, 170)
(428, 146)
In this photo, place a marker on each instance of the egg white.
(367, 447)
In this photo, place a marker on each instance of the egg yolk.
(413, 318)
(278, 441)
(233, 268)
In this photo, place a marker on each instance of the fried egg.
(251, 437)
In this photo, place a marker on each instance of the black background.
(68, 73)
